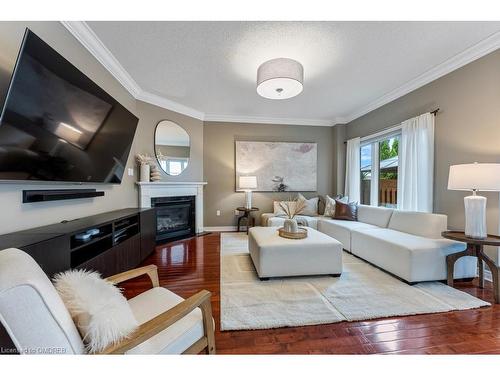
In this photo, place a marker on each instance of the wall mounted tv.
(58, 125)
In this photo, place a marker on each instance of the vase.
(291, 226)
(145, 173)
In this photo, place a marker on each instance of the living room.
(266, 185)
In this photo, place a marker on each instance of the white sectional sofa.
(406, 244)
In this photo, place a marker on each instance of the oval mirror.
(172, 147)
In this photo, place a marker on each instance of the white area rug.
(362, 292)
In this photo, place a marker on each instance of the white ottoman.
(274, 256)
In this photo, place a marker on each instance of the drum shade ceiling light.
(280, 78)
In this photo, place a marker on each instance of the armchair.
(37, 321)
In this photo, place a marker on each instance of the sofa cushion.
(418, 223)
(279, 221)
(412, 258)
(330, 204)
(346, 211)
(310, 205)
(278, 209)
(378, 216)
(341, 229)
(264, 218)
(174, 339)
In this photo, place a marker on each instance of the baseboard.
(228, 228)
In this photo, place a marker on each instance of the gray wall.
(467, 128)
(14, 215)
(219, 164)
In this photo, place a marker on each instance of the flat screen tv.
(57, 125)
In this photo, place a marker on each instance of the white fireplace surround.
(148, 190)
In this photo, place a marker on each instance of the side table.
(247, 214)
(475, 249)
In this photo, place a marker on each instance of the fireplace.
(175, 217)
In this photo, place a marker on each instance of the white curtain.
(416, 164)
(353, 170)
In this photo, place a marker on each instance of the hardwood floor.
(189, 265)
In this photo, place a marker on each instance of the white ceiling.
(209, 68)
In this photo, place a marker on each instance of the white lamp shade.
(247, 182)
(280, 78)
(475, 176)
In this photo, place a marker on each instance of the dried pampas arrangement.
(142, 159)
(293, 207)
(145, 159)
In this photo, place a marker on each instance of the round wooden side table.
(475, 249)
(247, 214)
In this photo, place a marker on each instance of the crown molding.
(269, 120)
(463, 58)
(86, 36)
(160, 101)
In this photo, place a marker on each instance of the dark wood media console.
(122, 240)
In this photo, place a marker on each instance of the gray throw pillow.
(310, 205)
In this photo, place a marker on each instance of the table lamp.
(247, 184)
(475, 177)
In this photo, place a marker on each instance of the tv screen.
(58, 125)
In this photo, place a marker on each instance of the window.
(366, 173)
(379, 171)
(174, 167)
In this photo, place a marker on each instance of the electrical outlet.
(236, 213)
(130, 171)
(218, 213)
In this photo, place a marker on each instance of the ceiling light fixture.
(280, 78)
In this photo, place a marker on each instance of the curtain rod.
(394, 126)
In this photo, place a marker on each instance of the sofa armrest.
(264, 218)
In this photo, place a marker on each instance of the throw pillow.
(310, 205)
(330, 205)
(278, 211)
(100, 311)
(346, 211)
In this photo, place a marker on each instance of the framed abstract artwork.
(278, 166)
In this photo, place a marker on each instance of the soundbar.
(32, 196)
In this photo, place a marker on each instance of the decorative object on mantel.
(291, 229)
(278, 166)
(247, 184)
(475, 177)
(144, 162)
(155, 173)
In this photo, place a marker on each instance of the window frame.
(375, 167)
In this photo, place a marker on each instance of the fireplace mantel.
(148, 190)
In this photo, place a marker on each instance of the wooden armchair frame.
(169, 317)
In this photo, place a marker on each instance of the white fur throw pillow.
(100, 311)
